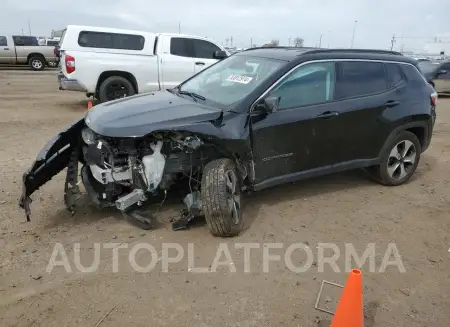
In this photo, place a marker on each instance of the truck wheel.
(399, 161)
(221, 198)
(37, 63)
(115, 87)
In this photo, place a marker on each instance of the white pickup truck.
(110, 63)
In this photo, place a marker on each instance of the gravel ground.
(340, 209)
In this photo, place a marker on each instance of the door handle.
(199, 63)
(391, 103)
(5, 48)
(329, 114)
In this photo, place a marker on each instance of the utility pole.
(251, 42)
(22, 32)
(231, 41)
(179, 27)
(392, 42)
(29, 27)
(402, 45)
(320, 41)
(289, 40)
(354, 30)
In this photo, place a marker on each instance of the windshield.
(231, 79)
(427, 66)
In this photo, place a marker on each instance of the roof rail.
(378, 51)
(316, 50)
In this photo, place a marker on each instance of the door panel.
(362, 94)
(6, 51)
(177, 64)
(295, 140)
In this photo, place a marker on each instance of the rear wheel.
(37, 63)
(115, 87)
(399, 161)
(221, 198)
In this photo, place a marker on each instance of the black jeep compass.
(259, 118)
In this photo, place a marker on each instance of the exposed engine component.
(126, 201)
(106, 176)
(154, 166)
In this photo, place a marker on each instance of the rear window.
(359, 78)
(25, 41)
(111, 40)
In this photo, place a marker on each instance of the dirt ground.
(339, 209)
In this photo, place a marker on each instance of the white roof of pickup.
(125, 31)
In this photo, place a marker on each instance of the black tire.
(37, 63)
(218, 201)
(124, 88)
(381, 173)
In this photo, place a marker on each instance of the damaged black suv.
(259, 118)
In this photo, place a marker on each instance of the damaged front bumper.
(52, 159)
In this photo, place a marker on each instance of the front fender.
(52, 159)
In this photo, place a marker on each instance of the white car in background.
(110, 63)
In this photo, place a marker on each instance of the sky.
(249, 21)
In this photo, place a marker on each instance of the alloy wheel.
(37, 64)
(233, 196)
(401, 159)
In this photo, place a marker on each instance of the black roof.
(291, 53)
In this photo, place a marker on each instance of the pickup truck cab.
(25, 50)
(110, 63)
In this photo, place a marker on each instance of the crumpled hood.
(141, 114)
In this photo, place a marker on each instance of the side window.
(307, 85)
(3, 41)
(111, 40)
(359, 78)
(18, 41)
(180, 47)
(394, 75)
(204, 49)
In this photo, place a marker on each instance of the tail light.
(434, 97)
(70, 64)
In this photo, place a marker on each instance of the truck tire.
(399, 161)
(115, 87)
(36, 63)
(221, 198)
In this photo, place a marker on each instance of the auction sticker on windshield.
(239, 79)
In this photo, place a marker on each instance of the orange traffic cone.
(349, 311)
(90, 105)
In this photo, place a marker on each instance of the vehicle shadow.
(319, 186)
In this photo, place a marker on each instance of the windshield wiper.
(193, 95)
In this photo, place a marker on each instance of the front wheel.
(115, 87)
(221, 198)
(399, 161)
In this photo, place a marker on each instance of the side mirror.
(268, 105)
(442, 72)
(220, 54)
